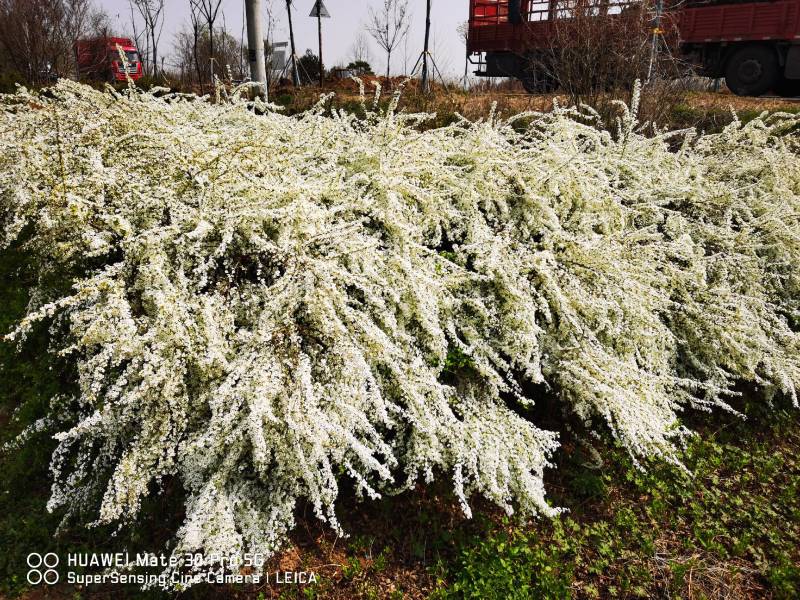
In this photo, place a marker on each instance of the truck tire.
(752, 71)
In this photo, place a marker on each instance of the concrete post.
(255, 44)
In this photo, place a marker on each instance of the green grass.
(735, 525)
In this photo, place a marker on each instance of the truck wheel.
(752, 71)
(788, 88)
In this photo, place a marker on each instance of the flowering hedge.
(269, 305)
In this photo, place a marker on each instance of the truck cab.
(110, 59)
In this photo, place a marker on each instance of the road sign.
(319, 10)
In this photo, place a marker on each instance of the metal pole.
(466, 71)
(319, 30)
(295, 74)
(425, 85)
(255, 44)
(654, 43)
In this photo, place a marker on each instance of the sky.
(348, 19)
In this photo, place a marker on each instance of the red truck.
(755, 46)
(99, 58)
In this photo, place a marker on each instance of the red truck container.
(99, 58)
(755, 46)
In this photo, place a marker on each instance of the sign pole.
(320, 11)
(319, 31)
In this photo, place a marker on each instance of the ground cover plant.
(732, 531)
(265, 308)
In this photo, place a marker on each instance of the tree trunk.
(388, 63)
(155, 51)
(197, 59)
(211, 49)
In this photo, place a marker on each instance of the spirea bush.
(266, 307)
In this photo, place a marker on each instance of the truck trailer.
(755, 46)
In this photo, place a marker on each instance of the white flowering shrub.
(264, 307)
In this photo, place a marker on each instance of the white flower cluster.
(268, 305)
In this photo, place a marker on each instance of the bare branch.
(389, 25)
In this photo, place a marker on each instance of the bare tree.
(209, 10)
(152, 13)
(193, 48)
(270, 52)
(463, 35)
(97, 25)
(389, 26)
(38, 36)
(591, 52)
(28, 33)
(194, 18)
(359, 51)
(144, 49)
(77, 16)
(595, 54)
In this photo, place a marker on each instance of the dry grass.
(706, 110)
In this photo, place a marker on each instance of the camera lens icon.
(42, 568)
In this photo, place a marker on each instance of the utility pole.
(425, 84)
(295, 74)
(255, 44)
